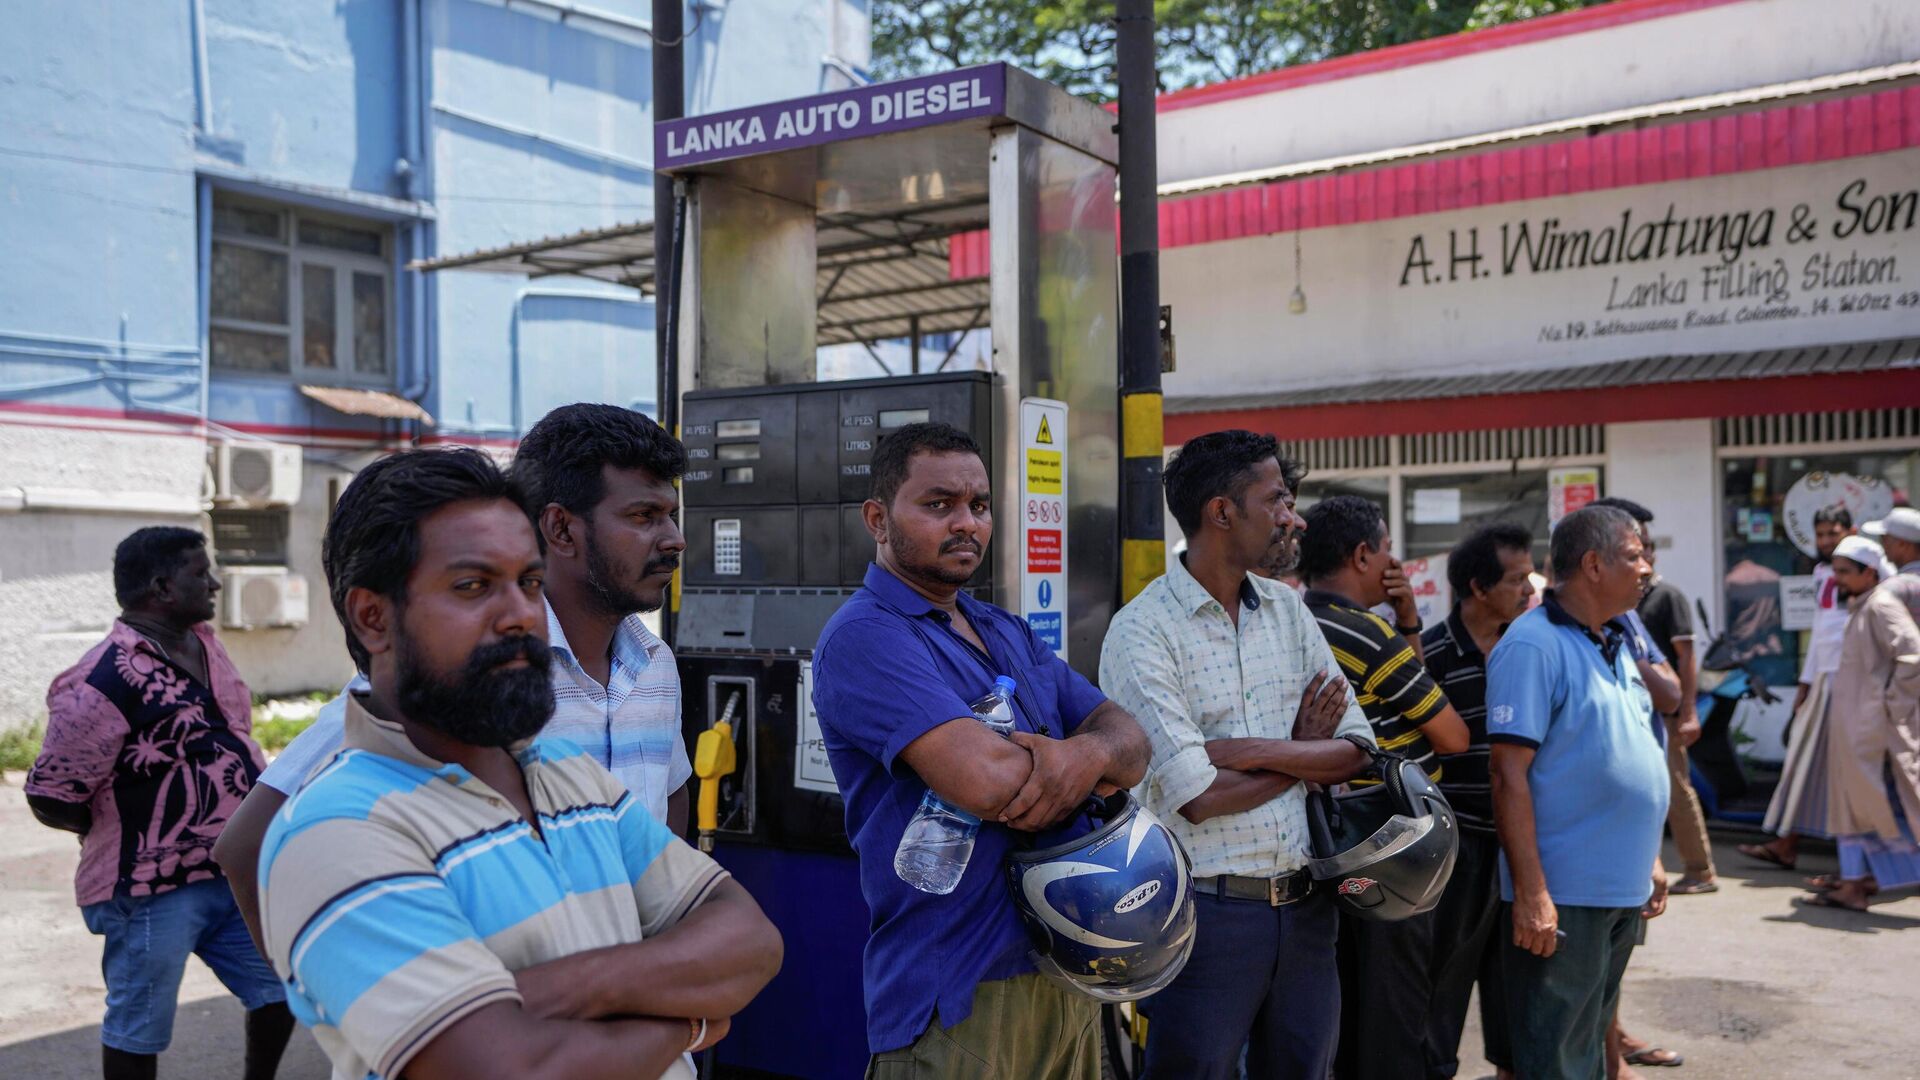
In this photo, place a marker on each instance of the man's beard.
(613, 595)
(481, 705)
(1283, 557)
(909, 559)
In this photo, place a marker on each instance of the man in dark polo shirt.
(1489, 573)
(950, 989)
(1346, 558)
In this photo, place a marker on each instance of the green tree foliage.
(1070, 42)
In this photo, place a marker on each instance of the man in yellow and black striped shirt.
(1346, 558)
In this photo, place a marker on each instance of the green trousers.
(1023, 1028)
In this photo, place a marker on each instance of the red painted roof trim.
(1718, 144)
(1592, 405)
(1544, 28)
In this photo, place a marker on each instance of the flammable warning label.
(1043, 471)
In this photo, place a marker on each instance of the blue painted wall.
(527, 126)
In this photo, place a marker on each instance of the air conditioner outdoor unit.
(255, 597)
(254, 474)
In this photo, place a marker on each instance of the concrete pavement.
(1743, 982)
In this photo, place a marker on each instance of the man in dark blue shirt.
(949, 987)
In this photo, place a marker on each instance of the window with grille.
(299, 294)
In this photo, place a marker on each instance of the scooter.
(1720, 777)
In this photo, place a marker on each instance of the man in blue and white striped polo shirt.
(450, 895)
(599, 481)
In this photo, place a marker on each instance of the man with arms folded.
(1242, 700)
(1491, 573)
(450, 897)
(599, 479)
(950, 989)
(1580, 793)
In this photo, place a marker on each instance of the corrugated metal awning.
(878, 277)
(355, 402)
(1896, 355)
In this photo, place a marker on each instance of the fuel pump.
(917, 211)
(982, 199)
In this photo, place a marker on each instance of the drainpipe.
(413, 178)
(203, 294)
(1142, 428)
(202, 81)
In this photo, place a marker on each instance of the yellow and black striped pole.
(1142, 532)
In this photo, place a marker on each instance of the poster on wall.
(1569, 490)
(1043, 520)
(1799, 602)
(1431, 593)
(1867, 498)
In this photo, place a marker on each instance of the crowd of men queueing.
(472, 864)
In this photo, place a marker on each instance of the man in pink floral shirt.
(147, 754)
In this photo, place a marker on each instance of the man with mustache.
(1282, 560)
(1491, 574)
(950, 988)
(1242, 700)
(600, 483)
(450, 896)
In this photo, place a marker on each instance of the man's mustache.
(665, 565)
(958, 543)
(519, 647)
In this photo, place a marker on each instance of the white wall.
(1668, 466)
(1386, 298)
(1705, 51)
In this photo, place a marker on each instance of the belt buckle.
(1274, 896)
(1279, 890)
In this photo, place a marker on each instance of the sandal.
(1829, 882)
(1692, 887)
(1656, 1056)
(1765, 854)
(1826, 900)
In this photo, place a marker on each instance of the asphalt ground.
(1743, 982)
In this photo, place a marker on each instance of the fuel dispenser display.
(775, 544)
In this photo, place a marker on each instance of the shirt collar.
(631, 639)
(1325, 598)
(1609, 641)
(1194, 596)
(1459, 635)
(900, 595)
(1910, 568)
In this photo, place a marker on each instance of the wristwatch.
(1414, 629)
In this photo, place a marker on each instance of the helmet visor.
(1399, 833)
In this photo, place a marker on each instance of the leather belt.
(1275, 892)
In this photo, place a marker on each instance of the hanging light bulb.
(1297, 303)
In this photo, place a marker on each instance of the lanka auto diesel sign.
(826, 118)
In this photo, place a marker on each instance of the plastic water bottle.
(937, 843)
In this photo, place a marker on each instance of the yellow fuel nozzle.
(713, 758)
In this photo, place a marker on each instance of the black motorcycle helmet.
(1388, 848)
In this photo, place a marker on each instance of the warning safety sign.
(1043, 520)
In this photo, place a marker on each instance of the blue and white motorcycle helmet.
(1110, 913)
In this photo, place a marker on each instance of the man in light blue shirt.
(1580, 794)
(601, 478)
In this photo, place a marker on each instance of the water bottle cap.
(1005, 685)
